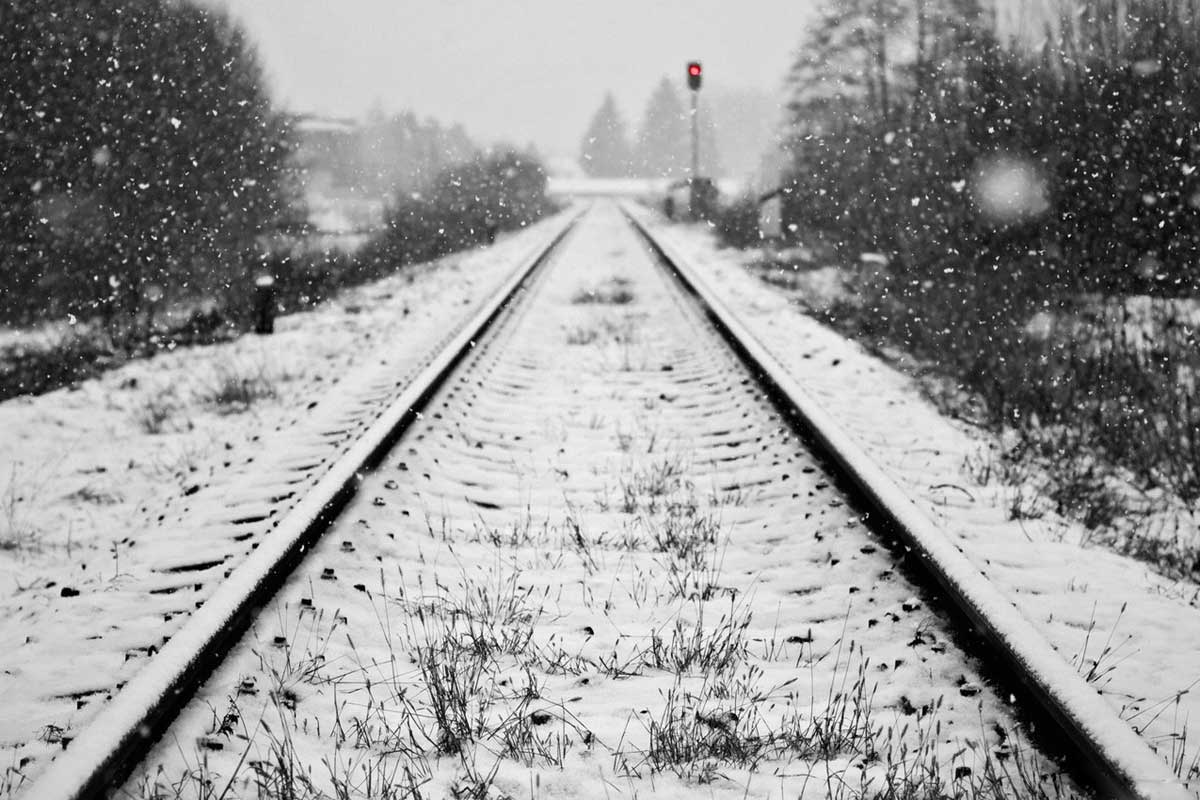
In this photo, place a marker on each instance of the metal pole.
(694, 203)
(695, 138)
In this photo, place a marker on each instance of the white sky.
(514, 70)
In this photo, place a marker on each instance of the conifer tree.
(663, 143)
(138, 152)
(604, 151)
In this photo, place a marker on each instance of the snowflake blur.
(1009, 189)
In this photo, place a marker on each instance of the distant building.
(328, 159)
(327, 152)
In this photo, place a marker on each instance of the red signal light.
(693, 72)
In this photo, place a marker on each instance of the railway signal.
(696, 209)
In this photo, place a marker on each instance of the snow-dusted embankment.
(1136, 632)
(129, 497)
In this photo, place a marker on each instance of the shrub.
(737, 224)
(465, 205)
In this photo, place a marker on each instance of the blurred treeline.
(146, 180)
(464, 205)
(138, 153)
(1028, 175)
(898, 105)
(662, 144)
(349, 166)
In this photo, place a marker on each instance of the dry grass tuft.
(235, 388)
(614, 291)
(18, 495)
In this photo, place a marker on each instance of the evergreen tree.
(139, 154)
(664, 138)
(604, 151)
(846, 67)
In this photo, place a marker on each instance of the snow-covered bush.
(466, 204)
(737, 223)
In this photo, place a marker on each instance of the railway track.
(66, 657)
(603, 537)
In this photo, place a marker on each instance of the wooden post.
(264, 304)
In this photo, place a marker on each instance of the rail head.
(121, 735)
(1119, 762)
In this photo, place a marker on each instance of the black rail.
(1103, 750)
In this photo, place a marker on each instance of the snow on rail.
(134, 718)
(1123, 764)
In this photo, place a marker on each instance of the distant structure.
(328, 162)
(351, 170)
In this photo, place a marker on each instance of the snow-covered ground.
(597, 566)
(1135, 632)
(84, 480)
(97, 481)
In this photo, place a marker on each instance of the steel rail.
(1119, 763)
(120, 736)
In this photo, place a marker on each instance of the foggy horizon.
(532, 74)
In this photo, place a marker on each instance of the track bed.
(600, 564)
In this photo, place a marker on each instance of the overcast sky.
(514, 70)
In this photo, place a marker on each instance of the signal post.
(694, 74)
(700, 190)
